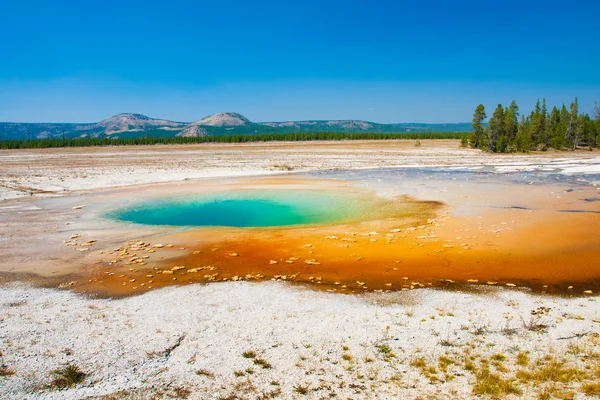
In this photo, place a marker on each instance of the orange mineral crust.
(549, 251)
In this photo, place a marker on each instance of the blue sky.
(384, 61)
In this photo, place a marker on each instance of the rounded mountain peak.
(224, 119)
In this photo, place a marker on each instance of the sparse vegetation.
(522, 359)
(283, 167)
(385, 350)
(205, 372)
(591, 389)
(418, 363)
(262, 363)
(249, 354)
(493, 385)
(5, 371)
(67, 376)
(444, 362)
(550, 370)
(301, 389)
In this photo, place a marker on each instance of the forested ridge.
(247, 138)
(560, 129)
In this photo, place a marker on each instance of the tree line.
(508, 131)
(248, 138)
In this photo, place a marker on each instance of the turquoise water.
(241, 209)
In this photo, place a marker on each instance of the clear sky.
(384, 61)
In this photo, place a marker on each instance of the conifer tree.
(476, 139)
(543, 126)
(573, 131)
(552, 127)
(587, 130)
(511, 126)
(495, 129)
(597, 116)
(523, 138)
(536, 123)
(563, 126)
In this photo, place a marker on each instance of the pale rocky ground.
(30, 172)
(189, 341)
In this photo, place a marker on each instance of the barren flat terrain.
(25, 172)
(148, 311)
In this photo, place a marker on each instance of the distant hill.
(131, 125)
(134, 122)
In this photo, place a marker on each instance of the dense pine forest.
(293, 137)
(559, 129)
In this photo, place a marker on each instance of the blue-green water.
(242, 209)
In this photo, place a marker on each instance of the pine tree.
(597, 116)
(476, 139)
(543, 126)
(563, 126)
(510, 127)
(552, 128)
(536, 123)
(587, 130)
(573, 131)
(523, 138)
(495, 129)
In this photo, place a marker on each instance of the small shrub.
(181, 392)
(385, 350)
(347, 357)
(263, 363)
(5, 371)
(300, 389)
(68, 376)
(249, 354)
(205, 372)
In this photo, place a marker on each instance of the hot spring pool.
(243, 209)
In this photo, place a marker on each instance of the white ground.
(29, 172)
(122, 344)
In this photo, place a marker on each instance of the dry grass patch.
(549, 369)
(493, 384)
(522, 359)
(5, 371)
(591, 389)
(205, 372)
(68, 376)
(249, 354)
(262, 363)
